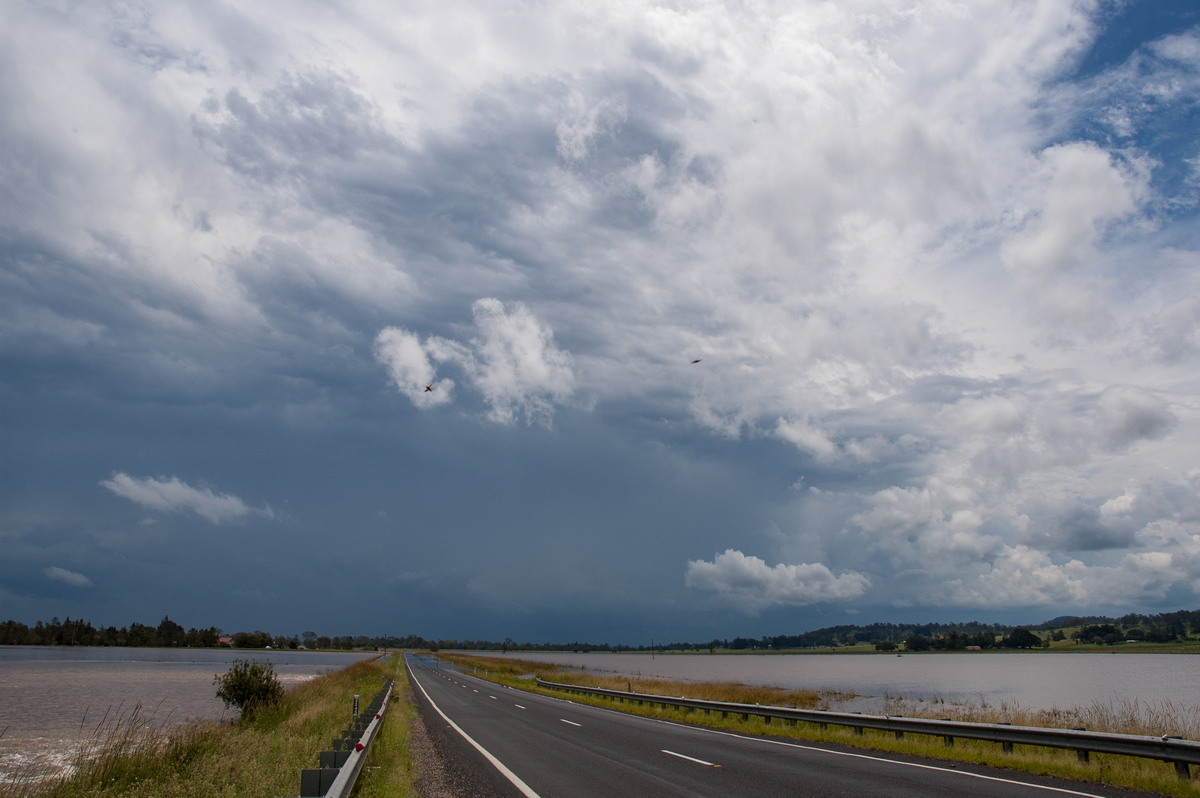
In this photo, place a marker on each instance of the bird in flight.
(697, 360)
(428, 387)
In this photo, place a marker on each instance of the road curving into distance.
(505, 742)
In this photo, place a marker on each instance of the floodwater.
(52, 699)
(1026, 680)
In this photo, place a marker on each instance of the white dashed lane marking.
(692, 759)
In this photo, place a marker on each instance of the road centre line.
(508, 774)
(573, 723)
(691, 759)
(768, 741)
(518, 706)
(529, 793)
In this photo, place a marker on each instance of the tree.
(917, 643)
(1022, 638)
(249, 685)
(169, 633)
(255, 639)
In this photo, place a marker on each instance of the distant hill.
(1091, 628)
(1162, 628)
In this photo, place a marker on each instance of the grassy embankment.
(130, 756)
(1139, 774)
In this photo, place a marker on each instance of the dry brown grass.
(524, 670)
(1117, 717)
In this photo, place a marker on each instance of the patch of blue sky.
(1139, 79)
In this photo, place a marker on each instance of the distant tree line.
(167, 634)
(850, 635)
(69, 632)
(883, 636)
(1162, 628)
(1019, 637)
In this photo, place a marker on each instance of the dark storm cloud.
(1083, 530)
(728, 319)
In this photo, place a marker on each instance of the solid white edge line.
(876, 758)
(691, 759)
(508, 774)
(818, 749)
(997, 779)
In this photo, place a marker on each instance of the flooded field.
(1031, 681)
(53, 699)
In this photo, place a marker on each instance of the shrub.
(249, 686)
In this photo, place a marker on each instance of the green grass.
(390, 771)
(1129, 718)
(130, 756)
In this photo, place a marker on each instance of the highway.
(508, 742)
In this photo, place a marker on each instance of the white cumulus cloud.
(175, 495)
(409, 366)
(511, 360)
(73, 578)
(751, 585)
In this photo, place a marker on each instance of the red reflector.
(358, 746)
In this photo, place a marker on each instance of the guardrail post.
(1080, 753)
(1006, 746)
(1183, 771)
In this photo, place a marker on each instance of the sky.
(604, 322)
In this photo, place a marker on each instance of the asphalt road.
(507, 742)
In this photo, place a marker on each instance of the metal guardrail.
(340, 767)
(1175, 750)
